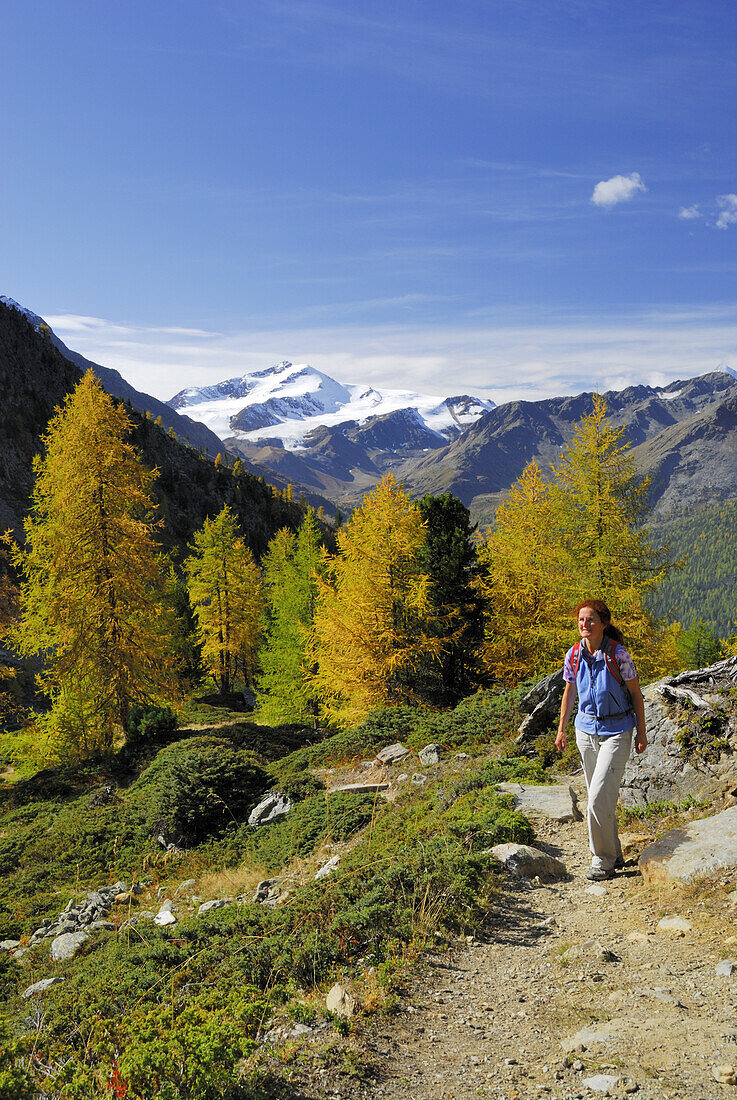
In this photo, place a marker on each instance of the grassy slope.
(174, 1012)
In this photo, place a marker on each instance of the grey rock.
(674, 924)
(216, 903)
(542, 705)
(419, 779)
(461, 756)
(268, 891)
(340, 1001)
(663, 773)
(328, 868)
(402, 778)
(269, 808)
(66, 946)
(725, 1075)
(528, 862)
(188, 884)
(101, 926)
(601, 1082)
(41, 987)
(9, 945)
(360, 788)
(392, 753)
(165, 915)
(587, 1037)
(555, 801)
(725, 969)
(699, 850)
(429, 755)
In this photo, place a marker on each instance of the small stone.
(725, 968)
(601, 1082)
(461, 756)
(273, 806)
(429, 755)
(638, 937)
(41, 987)
(9, 945)
(524, 860)
(678, 926)
(208, 906)
(188, 884)
(402, 778)
(340, 1001)
(328, 868)
(597, 890)
(66, 946)
(123, 899)
(418, 779)
(392, 753)
(165, 915)
(725, 1075)
(577, 1066)
(630, 1087)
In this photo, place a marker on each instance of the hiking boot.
(598, 874)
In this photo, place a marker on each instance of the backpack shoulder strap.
(609, 651)
(575, 659)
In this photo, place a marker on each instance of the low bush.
(196, 788)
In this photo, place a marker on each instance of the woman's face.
(589, 623)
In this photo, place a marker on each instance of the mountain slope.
(187, 429)
(35, 378)
(481, 464)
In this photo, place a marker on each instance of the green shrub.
(15, 1083)
(150, 723)
(197, 787)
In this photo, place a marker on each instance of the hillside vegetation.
(706, 540)
(180, 1011)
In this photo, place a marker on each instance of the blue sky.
(515, 197)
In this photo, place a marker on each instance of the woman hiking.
(601, 672)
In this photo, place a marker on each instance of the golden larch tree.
(92, 601)
(374, 610)
(521, 566)
(224, 587)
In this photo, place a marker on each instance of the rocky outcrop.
(542, 706)
(556, 801)
(88, 915)
(699, 850)
(692, 729)
(269, 808)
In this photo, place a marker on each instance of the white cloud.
(688, 213)
(527, 359)
(728, 210)
(617, 189)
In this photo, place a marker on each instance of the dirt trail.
(556, 958)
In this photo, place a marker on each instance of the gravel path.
(556, 959)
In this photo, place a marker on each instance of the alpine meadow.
(368, 550)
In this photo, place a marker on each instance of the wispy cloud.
(617, 189)
(727, 210)
(530, 358)
(690, 213)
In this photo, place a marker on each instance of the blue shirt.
(604, 705)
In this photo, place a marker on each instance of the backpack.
(609, 648)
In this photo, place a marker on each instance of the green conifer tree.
(291, 568)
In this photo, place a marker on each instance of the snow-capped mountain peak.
(286, 401)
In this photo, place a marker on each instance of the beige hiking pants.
(604, 760)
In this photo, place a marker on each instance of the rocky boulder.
(691, 730)
(269, 808)
(698, 850)
(542, 706)
(528, 862)
(556, 801)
